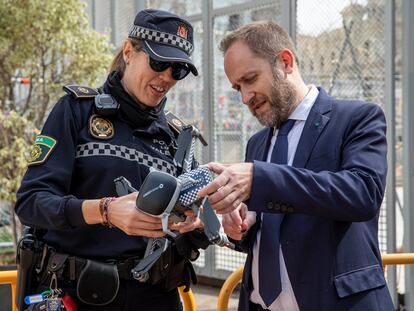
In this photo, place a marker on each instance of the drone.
(168, 197)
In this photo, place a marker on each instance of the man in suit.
(312, 185)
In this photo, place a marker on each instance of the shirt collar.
(301, 112)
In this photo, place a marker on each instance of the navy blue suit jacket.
(331, 198)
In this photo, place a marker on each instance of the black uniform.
(89, 152)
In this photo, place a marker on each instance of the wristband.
(103, 209)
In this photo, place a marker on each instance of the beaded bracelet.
(103, 209)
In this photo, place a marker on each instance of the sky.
(316, 16)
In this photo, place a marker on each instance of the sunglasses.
(179, 70)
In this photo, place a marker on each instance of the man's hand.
(123, 215)
(238, 222)
(230, 188)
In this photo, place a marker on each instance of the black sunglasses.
(179, 70)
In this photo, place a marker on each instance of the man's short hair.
(264, 38)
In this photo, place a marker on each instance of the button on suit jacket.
(331, 198)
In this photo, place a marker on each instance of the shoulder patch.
(41, 149)
(174, 122)
(101, 128)
(79, 91)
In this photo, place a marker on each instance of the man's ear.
(127, 51)
(288, 59)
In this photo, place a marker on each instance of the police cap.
(167, 37)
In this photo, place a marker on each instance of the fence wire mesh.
(342, 49)
(344, 52)
(233, 123)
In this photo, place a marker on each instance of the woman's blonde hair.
(118, 63)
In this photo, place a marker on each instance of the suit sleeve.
(244, 245)
(353, 193)
(44, 199)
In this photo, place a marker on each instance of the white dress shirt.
(286, 301)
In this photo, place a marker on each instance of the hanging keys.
(54, 304)
(54, 300)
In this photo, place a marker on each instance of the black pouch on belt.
(98, 283)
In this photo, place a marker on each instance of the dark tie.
(269, 266)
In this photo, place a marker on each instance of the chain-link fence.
(341, 47)
(344, 51)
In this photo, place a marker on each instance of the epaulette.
(79, 91)
(174, 122)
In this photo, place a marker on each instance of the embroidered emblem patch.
(174, 122)
(101, 128)
(41, 149)
(83, 90)
(182, 31)
(177, 122)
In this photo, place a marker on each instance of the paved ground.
(206, 298)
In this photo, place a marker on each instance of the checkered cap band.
(161, 37)
(130, 154)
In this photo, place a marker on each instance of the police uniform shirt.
(90, 152)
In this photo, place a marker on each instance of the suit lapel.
(315, 123)
(262, 145)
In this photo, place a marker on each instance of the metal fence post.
(408, 117)
(208, 99)
(389, 104)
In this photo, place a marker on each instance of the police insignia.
(41, 149)
(101, 128)
(177, 122)
(174, 122)
(83, 90)
(182, 31)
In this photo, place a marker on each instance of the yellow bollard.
(227, 288)
(188, 299)
(10, 277)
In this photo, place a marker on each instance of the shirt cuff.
(73, 213)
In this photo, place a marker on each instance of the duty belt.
(68, 267)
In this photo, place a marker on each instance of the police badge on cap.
(167, 37)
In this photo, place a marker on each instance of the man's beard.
(282, 99)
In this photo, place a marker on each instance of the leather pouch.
(161, 268)
(98, 283)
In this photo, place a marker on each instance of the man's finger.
(228, 204)
(235, 217)
(219, 195)
(243, 210)
(215, 167)
(212, 187)
(249, 221)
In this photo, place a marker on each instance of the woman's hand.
(191, 223)
(123, 214)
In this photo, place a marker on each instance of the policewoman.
(91, 137)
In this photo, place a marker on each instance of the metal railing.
(235, 278)
(10, 277)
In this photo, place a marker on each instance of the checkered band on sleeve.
(130, 154)
(161, 37)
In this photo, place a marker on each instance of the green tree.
(51, 43)
(16, 135)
